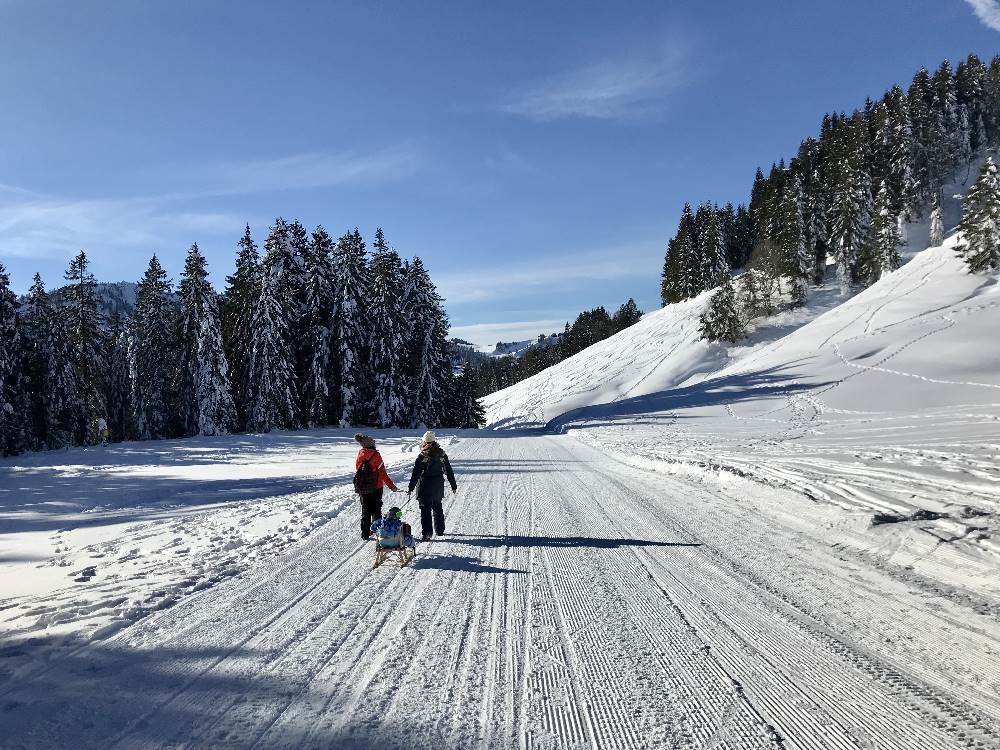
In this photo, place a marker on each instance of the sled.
(393, 546)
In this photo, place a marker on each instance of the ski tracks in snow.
(576, 603)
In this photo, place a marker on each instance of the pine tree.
(721, 320)
(430, 388)
(419, 304)
(681, 260)
(48, 368)
(387, 341)
(300, 322)
(318, 402)
(13, 407)
(953, 134)
(980, 225)
(238, 308)
(152, 356)
(628, 315)
(273, 394)
(469, 410)
(206, 397)
(851, 208)
(885, 237)
(713, 249)
(350, 336)
(918, 100)
(119, 381)
(82, 321)
(970, 83)
(796, 260)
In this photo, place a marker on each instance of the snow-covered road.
(577, 602)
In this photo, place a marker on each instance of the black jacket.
(429, 471)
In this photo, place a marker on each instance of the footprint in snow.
(86, 574)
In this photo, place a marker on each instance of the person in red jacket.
(371, 499)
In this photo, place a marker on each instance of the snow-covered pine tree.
(796, 260)
(238, 306)
(686, 252)
(429, 394)
(13, 406)
(899, 150)
(817, 234)
(352, 289)
(319, 383)
(701, 265)
(627, 315)
(885, 237)
(119, 381)
(82, 321)
(954, 134)
(48, 369)
(715, 264)
(936, 236)
(721, 320)
(980, 225)
(970, 81)
(273, 395)
(153, 354)
(669, 292)
(387, 340)
(918, 103)
(298, 279)
(469, 412)
(850, 210)
(206, 395)
(991, 99)
(433, 389)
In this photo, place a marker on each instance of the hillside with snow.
(886, 406)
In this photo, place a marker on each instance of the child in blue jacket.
(392, 526)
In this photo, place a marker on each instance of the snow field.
(578, 601)
(96, 539)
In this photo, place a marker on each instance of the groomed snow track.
(577, 603)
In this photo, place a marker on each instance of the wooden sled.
(386, 547)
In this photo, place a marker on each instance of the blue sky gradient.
(536, 155)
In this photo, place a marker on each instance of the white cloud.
(39, 226)
(638, 260)
(486, 335)
(610, 90)
(509, 162)
(988, 11)
(304, 171)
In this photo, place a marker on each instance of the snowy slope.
(887, 406)
(662, 350)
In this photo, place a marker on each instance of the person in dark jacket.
(429, 472)
(371, 502)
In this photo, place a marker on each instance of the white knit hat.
(430, 437)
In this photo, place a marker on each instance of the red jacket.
(374, 459)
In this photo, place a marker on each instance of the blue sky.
(535, 154)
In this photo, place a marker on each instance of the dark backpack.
(365, 478)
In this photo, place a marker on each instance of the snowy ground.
(93, 539)
(579, 601)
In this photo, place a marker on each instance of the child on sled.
(393, 536)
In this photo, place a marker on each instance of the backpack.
(365, 479)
